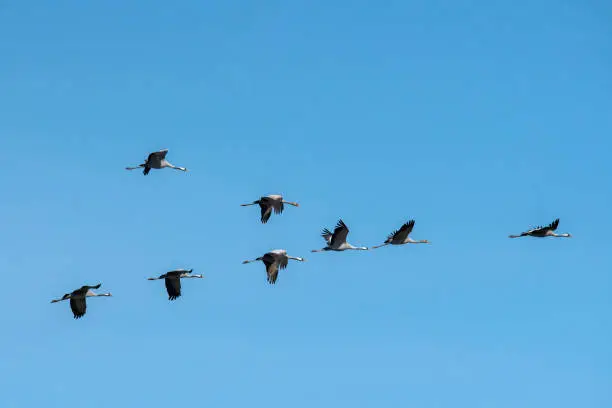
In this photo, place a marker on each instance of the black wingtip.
(555, 223)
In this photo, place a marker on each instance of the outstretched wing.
(78, 306)
(541, 229)
(160, 155)
(402, 233)
(553, 225)
(271, 267)
(274, 201)
(154, 159)
(266, 211)
(326, 234)
(340, 233)
(173, 287)
(180, 271)
(281, 260)
(278, 207)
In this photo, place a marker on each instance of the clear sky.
(478, 119)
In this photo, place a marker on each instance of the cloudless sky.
(478, 119)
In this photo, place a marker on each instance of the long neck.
(192, 276)
(172, 166)
(253, 203)
(252, 260)
(409, 240)
(291, 203)
(98, 294)
(357, 248)
(297, 258)
(561, 235)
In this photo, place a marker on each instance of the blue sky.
(476, 119)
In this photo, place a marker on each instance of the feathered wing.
(553, 225)
(159, 155)
(180, 271)
(281, 260)
(266, 211)
(173, 287)
(271, 268)
(402, 233)
(541, 229)
(278, 207)
(326, 234)
(154, 159)
(340, 233)
(78, 306)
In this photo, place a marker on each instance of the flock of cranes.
(276, 259)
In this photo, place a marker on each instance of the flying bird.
(173, 281)
(156, 160)
(78, 297)
(541, 232)
(271, 202)
(274, 260)
(401, 236)
(337, 240)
